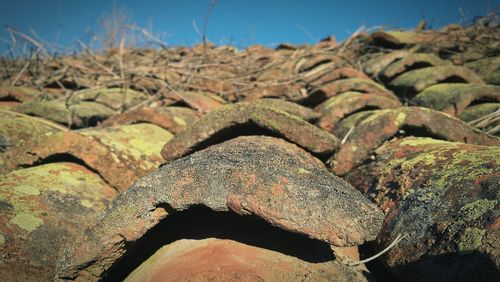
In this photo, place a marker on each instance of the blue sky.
(236, 21)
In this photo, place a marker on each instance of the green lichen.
(27, 190)
(470, 240)
(86, 203)
(180, 121)
(476, 111)
(421, 141)
(400, 119)
(26, 221)
(445, 95)
(88, 110)
(64, 178)
(475, 210)
(113, 98)
(303, 171)
(464, 165)
(54, 110)
(138, 142)
(2, 239)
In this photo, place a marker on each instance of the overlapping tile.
(444, 197)
(119, 154)
(42, 209)
(385, 124)
(261, 176)
(247, 119)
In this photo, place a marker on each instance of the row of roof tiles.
(322, 113)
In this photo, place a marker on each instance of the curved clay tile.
(376, 64)
(200, 101)
(315, 60)
(475, 112)
(287, 91)
(331, 89)
(42, 209)
(291, 108)
(415, 81)
(219, 86)
(444, 197)
(488, 69)
(113, 98)
(340, 73)
(262, 176)
(18, 93)
(17, 131)
(348, 123)
(338, 107)
(186, 260)
(453, 98)
(399, 38)
(411, 62)
(77, 115)
(384, 124)
(484, 116)
(247, 119)
(119, 154)
(173, 119)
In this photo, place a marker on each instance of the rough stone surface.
(226, 260)
(41, 210)
(261, 176)
(246, 119)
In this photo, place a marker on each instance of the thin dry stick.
(89, 56)
(49, 123)
(351, 38)
(394, 243)
(29, 39)
(122, 73)
(207, 16)
(347, 135)
(21, 72)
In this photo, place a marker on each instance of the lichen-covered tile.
(41, 210)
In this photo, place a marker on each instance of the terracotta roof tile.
(262, 176)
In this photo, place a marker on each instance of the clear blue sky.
(238, 21)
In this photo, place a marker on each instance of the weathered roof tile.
(42, 209)
(263, 176)
(247, 119)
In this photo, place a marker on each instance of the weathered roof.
(271, 164)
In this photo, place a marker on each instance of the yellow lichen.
(180, 121)
(27, 190)
(86, 203)
(400, 119)
(26, 221)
